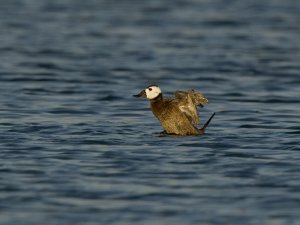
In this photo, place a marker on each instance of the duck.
(177, 115)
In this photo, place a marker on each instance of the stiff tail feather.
(202, 130)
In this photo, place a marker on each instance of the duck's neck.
(157, 106)
(159, 98)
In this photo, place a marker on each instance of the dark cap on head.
(152, 85)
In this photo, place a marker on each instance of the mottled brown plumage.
(177, 115)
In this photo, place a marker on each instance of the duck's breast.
(172, 119)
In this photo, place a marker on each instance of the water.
(77, 148)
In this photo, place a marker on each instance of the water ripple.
(76, 147)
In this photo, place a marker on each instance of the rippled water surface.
(77, 148)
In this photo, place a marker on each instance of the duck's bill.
(141, 94)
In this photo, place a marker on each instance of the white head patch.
(152, 92)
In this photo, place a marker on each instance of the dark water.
(77, 148)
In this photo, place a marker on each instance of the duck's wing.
(188, 101)
(197, 98)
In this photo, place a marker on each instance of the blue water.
(77, 148)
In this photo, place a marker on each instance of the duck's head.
(151, 92)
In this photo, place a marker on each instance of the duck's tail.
(202, 130)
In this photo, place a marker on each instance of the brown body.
(171, 117)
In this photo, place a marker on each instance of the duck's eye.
(150, 89)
